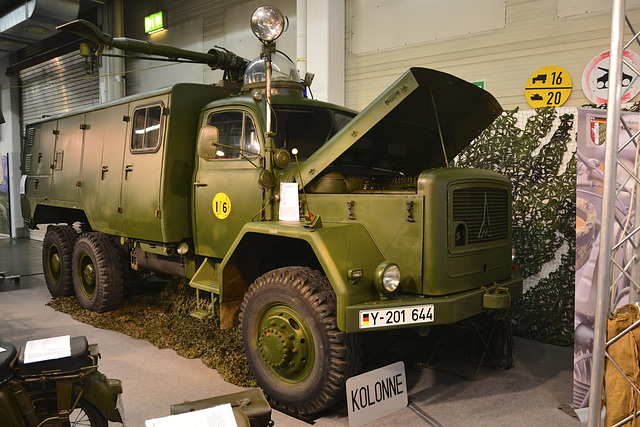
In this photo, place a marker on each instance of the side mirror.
(208, 142)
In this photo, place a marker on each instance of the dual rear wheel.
(89, 265)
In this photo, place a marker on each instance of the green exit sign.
(154, 23)
(480, 83)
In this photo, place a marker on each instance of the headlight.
(387, 277)
(268, 23)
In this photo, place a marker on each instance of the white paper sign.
(289, 206)
(376, 393)
(47, 349)
(218, 416)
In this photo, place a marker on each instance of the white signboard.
(376, 393)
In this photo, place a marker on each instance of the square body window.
(146, 128)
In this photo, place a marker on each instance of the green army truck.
(310, 223)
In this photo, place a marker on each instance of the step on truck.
(309, 222)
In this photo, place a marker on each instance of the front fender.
(338, 247)
(102, 396)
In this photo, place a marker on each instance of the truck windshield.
(306, 129)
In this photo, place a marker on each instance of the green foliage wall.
(544, 189)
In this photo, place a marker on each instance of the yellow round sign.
(221, 205)
(548, 87)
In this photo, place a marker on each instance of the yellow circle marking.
(221, 205)
(548, 87)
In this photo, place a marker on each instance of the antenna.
(311, 220)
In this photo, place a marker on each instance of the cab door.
(226, 191)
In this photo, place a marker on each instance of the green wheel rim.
(54, 267)
(87, 275)
(285, 343)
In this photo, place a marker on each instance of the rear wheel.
(85, 413)
(292, 342)
(98, 276)
(57, 250)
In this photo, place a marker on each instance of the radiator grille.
(484, 211)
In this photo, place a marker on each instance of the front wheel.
(292, 342)
(85, 414)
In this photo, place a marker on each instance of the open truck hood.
(462, 110)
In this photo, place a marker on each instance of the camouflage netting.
(539, 158)
(159, 313)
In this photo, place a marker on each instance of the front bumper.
(446, 309)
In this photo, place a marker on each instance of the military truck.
(309, 222)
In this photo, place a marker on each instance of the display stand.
(610, 271)
(489, 339)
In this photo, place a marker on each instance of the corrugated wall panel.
(57, 86)
(534, 37)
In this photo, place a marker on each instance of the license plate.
(396, 316)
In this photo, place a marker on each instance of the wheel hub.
(89, 275)
(275, 347)
(285, 343)
(55, 263)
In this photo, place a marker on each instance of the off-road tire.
(57, 250)
(85, 414)
(98, 274)
(287, 313)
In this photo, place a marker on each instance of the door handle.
(105, 169)
(127, 169)
(199, 184)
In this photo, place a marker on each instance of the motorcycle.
(40, 388)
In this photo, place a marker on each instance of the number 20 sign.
(548, 87)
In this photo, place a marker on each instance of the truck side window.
(235, 131)
(146, 128)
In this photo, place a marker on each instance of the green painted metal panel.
(141, 175)
(386, 218)
(67, 159)
(102, 167)
(339, 247)
(448, 269)
(234, 183)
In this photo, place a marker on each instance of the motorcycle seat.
(78, 359)
(6, 357)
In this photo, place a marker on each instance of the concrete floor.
(529, 394)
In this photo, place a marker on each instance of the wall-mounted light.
(155, 22)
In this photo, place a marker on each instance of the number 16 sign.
(548, 87)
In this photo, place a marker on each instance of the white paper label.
(47, 349)
(289, 206)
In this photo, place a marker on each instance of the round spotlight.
(268, 23)
(387, 277)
